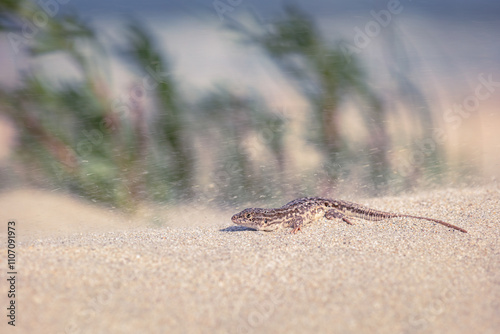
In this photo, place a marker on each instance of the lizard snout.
(235, 218)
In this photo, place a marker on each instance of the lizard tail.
(437, 221)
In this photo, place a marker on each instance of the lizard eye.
(248, 215)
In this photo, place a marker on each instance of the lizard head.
(257, 219)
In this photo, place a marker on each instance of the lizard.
(302, 211)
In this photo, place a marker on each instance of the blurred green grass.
(224, 147)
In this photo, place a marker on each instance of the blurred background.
(238, 102)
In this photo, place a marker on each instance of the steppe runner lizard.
(302, 211)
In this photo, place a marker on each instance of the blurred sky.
(446, 44)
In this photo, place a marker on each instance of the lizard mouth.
(241, 222)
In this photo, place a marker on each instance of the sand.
(394, 276)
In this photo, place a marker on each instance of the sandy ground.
(85, 270)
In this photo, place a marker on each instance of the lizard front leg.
(296, 223)
(335, 214)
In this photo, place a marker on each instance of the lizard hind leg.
(335, 214)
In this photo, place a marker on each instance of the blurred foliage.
(249, 160)
(327, 77)
(169, 127)
(152, 145)
(69, 134)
